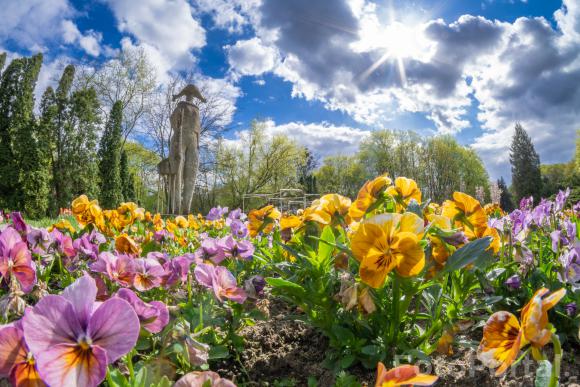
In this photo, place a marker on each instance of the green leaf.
(371, 350)
(543, 374)
(219, 352)
(287, 286)
(347, 361)
(118, 379)
(326, 249)
(415, 208)
(466, 255)
(140, 378)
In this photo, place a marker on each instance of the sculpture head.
(190, 92)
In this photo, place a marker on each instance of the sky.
(329, 72)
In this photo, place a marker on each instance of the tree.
(31, 155)
(10, 92)
(344, 175)
(127, 178)
(129, 79)
(142, 166)
(306, 176)
(257, 164)
(506, 203)
(2, 61)
(525, 162)
(69, 124)
(111, 190)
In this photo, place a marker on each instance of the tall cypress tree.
(111, 190)
(30, 152)
(80, 157)
(505, 202)
(2, 61)
(526, 175)
(10, 89)
(127, 178)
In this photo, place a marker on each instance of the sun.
(396, 41)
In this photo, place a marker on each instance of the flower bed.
(389, 285)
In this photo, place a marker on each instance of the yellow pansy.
(124, 244)
(504, 337)
(62, 225)
(404, 191)
(388, 242)
(257, 218)
(367, 195)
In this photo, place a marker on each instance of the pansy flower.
(73, 339)
(16, 361)
(119, 268)
(243, 249)
(389, 242)
(504, 336)
(153, 316)
(221, 281)
(148, 274)
(15, 260)
(405, 375)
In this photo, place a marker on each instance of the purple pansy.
(232, 248)
(176, 270)
(221, 280)
(216, 213)
(153, 316)
(74, 338)
(561, 198)
(514, 282)
(15, 260)
(210, 249)
(238, 228)
(119, 268)
(148, 274)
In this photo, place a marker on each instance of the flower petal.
(70, 365)
(502, 340)
(51, 322)
(114, 326)
(12, 349)
(26, 375)
(82, 294)
(409, 253)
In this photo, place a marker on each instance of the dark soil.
(285, 352)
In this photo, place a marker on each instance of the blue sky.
(328, 72)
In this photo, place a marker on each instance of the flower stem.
(395, 311)
(555, 377)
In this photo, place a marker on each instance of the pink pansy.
(148, 274)
(232, 248)
(63, 244)
(176, 270)
(153, 316)
(74, 339)
(16, 361)
(221, 281)
(203, 379)
(15, 260)
(119, 268)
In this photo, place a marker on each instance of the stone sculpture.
(179, 169)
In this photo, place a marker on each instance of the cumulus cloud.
(31, 24)
(322, 138)
(342, 54)
(167, 30)
(89, 42)
(251, 57)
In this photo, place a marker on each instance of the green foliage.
(526, 175)
(69, 124)
(2, 61)
(506, 203)
(25, 169)
(341, 174)
(258, 164)
(142, 167)
(111, 192)
(439, 165)
(127, 178)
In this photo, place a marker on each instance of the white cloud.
(232, 15)
(31, 23)
(167, 30)
(89, 42)
(251, 57)
(322, 138)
